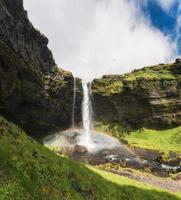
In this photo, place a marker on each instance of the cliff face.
(33, 92)
(19, 34)
(149, 97)
(38, 96)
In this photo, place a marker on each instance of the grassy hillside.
(113, 84)
(164, 141)
(30, 171)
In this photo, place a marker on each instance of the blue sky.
(164, 19)
(95, 37)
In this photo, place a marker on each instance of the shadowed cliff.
(33, 92)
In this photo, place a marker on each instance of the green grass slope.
(161, 140)
(30, 171)
(165, 141)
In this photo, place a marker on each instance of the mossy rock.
(148, 97)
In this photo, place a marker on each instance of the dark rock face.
(34, 93)
(19, 34)
(178, 61)
(150, 97)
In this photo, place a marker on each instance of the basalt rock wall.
(149, 97)
(34, 92)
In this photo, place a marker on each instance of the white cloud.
(96, 37)
(179, 16)
(178, 25)
(166, 4)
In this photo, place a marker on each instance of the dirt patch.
(168, 184)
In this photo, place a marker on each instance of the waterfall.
(86, 112)
(73, 104)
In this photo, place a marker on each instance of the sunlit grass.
(164, 141)
(123, 181)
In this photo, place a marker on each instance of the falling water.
(87, 137)
(86, 113)
(73, 105)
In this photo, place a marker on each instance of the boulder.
(135, 163)
(112, 158)
(80, 149)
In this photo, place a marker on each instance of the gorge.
(93, 147)
(117, 137)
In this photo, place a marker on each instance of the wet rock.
(80, 149)
(134, 162)
(163, 170)
(145, 154)
(112, 158)
(178, 169)
(170, 168)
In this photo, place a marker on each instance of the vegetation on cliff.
(34, 92)
(18, 33)
(37, 102)
(37, 95)
(112, 84)
(30, 171)
(148, 97)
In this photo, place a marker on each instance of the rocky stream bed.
(105, 149)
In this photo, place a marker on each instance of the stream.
(88, 146)
(105, 149)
